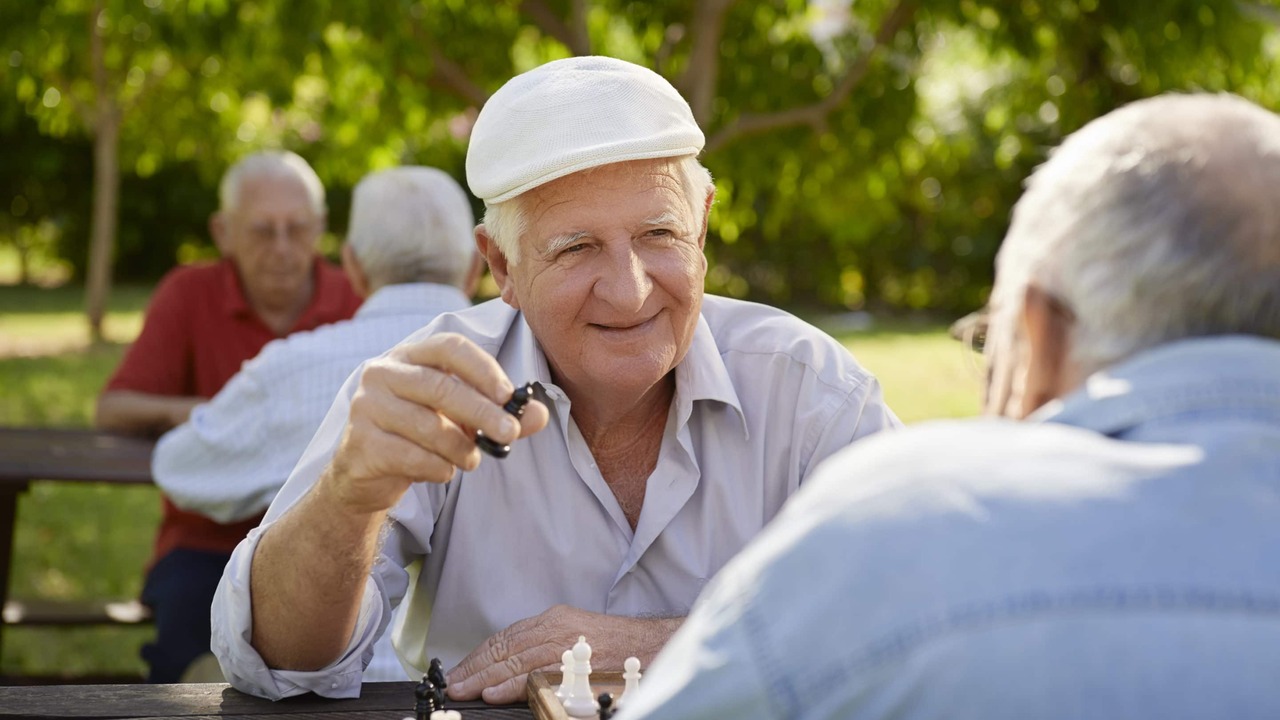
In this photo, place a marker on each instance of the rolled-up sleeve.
(232, 612)
(244, 668)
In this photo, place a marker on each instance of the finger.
(510, 691)
(535, 418)
(428, 430)
(544, 655)
(372, 454)
(448, 395)
(459, 356)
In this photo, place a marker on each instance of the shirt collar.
(395, 299)
(1202, 374)
(237, 303)
(326, 300)
(701, 376)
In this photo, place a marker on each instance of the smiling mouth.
(624, 328)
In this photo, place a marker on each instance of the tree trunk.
(105, 127)
(102, 240)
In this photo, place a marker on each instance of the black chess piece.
(606, 706)
(435, 674)
(425, 694)
(514, 406)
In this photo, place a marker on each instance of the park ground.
(79, 542)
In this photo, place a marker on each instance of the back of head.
(1157, 222)
(412, 224)
(269, 164)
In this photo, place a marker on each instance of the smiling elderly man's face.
(611, 273)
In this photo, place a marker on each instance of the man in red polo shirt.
(202, 323)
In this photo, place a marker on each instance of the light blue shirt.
(1116, 557)
(761, 398)
(232, 456)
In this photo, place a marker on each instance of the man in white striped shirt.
(410, 252)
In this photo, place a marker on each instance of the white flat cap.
(574, 114)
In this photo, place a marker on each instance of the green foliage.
(895, 196)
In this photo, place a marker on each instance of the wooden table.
(377, 701)
(28, 454)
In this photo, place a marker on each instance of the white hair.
(269, 163)
(412, 224)
(1157, 222)
(506, 221)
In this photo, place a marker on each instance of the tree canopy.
(866, 153)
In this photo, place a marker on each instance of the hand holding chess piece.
(444, 388)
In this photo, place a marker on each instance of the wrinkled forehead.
(273, 195)
(620, 192)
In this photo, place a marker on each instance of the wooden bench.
(62, 455)
(63, 613)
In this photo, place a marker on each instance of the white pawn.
(580, 702)
(446, 715)
(566, 676)
(630, 676)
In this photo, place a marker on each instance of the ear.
(220, 233)
(474, 274)
(706, 215)
(355, 273)
(1050, 372)
(322, 226)
(497, 266)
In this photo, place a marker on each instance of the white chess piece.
(445, 715)
(566, 676)
(631, 678)
(580, 702)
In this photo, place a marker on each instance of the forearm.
(307, 579)
(142, 413)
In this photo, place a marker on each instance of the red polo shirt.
(199, 329)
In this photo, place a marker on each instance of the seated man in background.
(410, 252)
(1114, 554)
(202, 323)
(675, 424)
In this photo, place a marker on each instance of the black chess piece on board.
(606, 705)
(435, 674)
(425, 694)
(514, 406)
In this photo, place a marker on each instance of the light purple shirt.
(761, 398)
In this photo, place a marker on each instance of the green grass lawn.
(85, 541)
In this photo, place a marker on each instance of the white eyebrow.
(666, 218)
(560, 242)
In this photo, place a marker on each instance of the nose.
(625, 282)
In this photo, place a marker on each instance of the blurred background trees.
(867, 153)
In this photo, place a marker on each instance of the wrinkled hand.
(498, 669)
(414, 417)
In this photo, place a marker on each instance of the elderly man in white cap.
(666, 428)
(409, 251)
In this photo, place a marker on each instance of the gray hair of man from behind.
(506, 221)
(1157, 222)
(269, 163)
(412, 224)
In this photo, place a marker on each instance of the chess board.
(542, 692)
